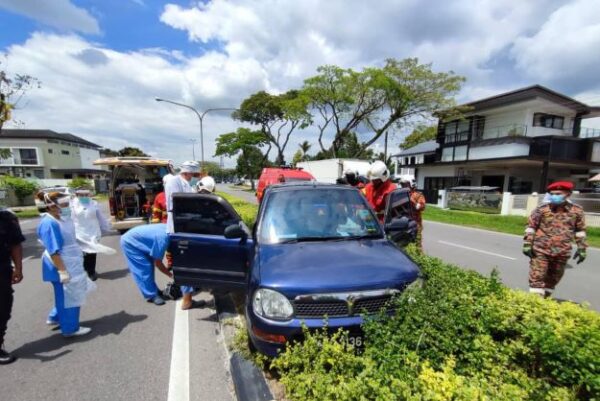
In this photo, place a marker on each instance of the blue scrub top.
(49, 233)
(150, 240)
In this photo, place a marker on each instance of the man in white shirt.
(182, 182)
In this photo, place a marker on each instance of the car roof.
(307, 185)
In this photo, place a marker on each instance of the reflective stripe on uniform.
(537, 290)
(580, 234)
(530, 230)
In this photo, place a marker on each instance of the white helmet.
(379, 171)
(206, 184)
(190, 167)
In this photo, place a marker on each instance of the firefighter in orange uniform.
(418, 201)
(380, 186)
(159, 209)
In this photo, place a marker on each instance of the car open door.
(399, 221)
(211, 247)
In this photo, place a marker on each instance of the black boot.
(6, 358)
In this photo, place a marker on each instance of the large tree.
(131, 152)
(277, 116)
(12, 91)
(246, 143)
(421, 133)
(377, 100)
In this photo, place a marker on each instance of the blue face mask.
(193, 181)
(557, 199)
(84, 200)
(65, 212)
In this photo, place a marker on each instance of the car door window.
(202, 214)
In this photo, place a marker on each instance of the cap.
(190, 167)
(561, 186)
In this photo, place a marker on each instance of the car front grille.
(339, 308)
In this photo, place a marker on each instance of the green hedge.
(246, 210)
(459, 336)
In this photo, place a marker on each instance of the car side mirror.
(234, 231)
(396, 225)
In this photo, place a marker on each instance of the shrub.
(80, 182)
(21, 187)
(246, 210)
(458, 336)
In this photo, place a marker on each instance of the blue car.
(317, 253)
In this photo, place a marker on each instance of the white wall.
(88, 156)
(433, 171)
(331, 169)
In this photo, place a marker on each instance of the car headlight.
(272, 305)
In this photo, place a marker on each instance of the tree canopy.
(377, 100)
(277, 116)
(421, 133)
(12, 90)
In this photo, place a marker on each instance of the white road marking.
(27, 258)
(476, 250)
(179, 377)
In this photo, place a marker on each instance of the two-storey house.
(516, 141)
(47, 154)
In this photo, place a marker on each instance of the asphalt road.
(133, 352)
(483, 251)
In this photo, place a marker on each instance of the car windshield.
(321, 214)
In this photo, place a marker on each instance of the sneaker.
(157, 300)
(81, 332)
(6, 358)
(52, 323)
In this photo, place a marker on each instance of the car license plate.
(357, 341)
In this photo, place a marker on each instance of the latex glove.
(418, 206)
(580, 255)
(64, 276)
(528, 250)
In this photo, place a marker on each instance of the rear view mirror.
(234, 231)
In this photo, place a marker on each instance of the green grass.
(27, 213)
(246, 210)
(492, 222)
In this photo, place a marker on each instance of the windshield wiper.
(355, 237)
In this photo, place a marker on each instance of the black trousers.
(6, 299)
(89, 263)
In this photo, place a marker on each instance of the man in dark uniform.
(10, 249)
(551, 230)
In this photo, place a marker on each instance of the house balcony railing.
(585, 132)
(503, 131)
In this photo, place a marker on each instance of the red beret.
(561, 186)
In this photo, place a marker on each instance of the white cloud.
(60, 14)
(107, 95)
(565, 51)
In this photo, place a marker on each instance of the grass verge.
(246, 210)
(27, 213)
(492, 222)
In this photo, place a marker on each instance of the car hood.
(334, 266)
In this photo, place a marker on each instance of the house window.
(64, 152)
(50, 151)
(456, 131)
(447, 154)
(39, 174)
(460, 153)
(28, 156)
(548, 121)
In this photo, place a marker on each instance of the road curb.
(248, 380)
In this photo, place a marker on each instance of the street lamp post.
(193, 148)
(200, 118)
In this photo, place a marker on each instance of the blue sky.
(101, 63)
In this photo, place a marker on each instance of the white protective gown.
(89, 225)
(175, 184)
(79, 285)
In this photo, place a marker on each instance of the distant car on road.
(317, 256)
(275, 175)
(41, 206)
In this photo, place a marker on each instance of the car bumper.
(267, 336)
(127, 223)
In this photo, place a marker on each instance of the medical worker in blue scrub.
(144, 248)
(62, 264)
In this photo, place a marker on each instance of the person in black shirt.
(10, 249)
